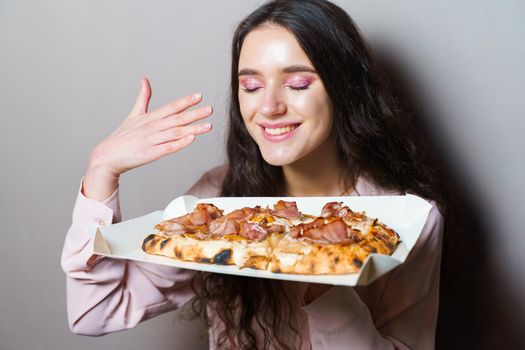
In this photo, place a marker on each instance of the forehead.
(271, 47)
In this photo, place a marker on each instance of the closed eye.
(299, 87)
(250, 84)
(250, 90)
(298, 82)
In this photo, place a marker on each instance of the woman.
(309, 115)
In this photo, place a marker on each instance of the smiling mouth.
(280, 131)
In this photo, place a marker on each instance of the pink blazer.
(397, 311)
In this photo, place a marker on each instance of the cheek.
(246, 106)
(326, 113)
(317, 108)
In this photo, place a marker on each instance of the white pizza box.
(405, 214)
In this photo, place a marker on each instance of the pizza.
(279, 239)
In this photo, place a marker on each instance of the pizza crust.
(307, 258)
(222, 251)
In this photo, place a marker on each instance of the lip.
(282, 137)
(278, 125)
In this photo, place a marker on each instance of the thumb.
(141, 105)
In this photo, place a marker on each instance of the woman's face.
(283, 101)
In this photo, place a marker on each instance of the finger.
(177, 106)
(142, 103)
(183, 119)
(172, 146)
(178, 133)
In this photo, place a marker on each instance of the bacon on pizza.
(281, 239)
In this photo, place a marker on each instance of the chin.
(279, 159)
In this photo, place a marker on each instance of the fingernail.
(206, 126)
(209, 109)
(196, 96)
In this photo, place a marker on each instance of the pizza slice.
(245, 237)
(337, 242)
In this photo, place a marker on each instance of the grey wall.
(69, 73)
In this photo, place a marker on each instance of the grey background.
(70, 72)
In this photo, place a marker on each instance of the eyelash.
(299, 88)
(295, 88)
(250, 91)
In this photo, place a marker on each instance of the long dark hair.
(373, 137)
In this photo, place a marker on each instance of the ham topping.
(223, 226)
(204, 213)
(287, 210)
(191, 223)
(229, 223)
(335, 209)
(332, 230)
(252, 223)
(252, 230)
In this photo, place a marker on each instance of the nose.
(273, 103)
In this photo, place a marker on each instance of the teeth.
(279, 131)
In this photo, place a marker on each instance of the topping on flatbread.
(281, 239)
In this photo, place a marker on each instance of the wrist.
(98, 165)
(99, 181)
(101, 175)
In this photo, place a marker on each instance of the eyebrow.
(290, 69)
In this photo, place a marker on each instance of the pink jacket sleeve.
(108, 295)
(397, 311)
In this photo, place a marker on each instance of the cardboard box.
(404, 214)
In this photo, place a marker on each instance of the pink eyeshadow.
(250, 83)
(299, 82)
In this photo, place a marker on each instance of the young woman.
(309, 116)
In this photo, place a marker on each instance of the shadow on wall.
(472, 314)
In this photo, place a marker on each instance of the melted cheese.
(239, 255)
(211, 248)
(287, 259)
(362, 226)
(305, 220)
(279, 221)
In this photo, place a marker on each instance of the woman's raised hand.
(143, 138)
